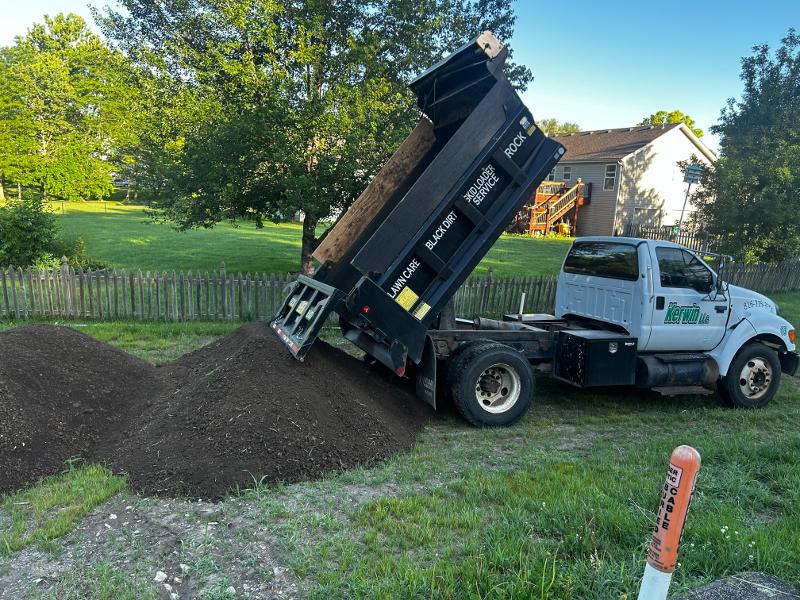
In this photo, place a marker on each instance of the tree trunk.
(2, 187)
(19, 192)
(309, 244)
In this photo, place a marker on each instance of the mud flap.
(426, 374)
(303, 314)
(789, 362)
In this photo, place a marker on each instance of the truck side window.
(603, 259)
(683, 269)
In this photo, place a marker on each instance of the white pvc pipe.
(655, 584)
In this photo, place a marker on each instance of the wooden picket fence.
(492, 297)
(780, 277)
(689, 238)
(70, 293)
(116, 294)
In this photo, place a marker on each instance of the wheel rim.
(755, 378)
(497, 388)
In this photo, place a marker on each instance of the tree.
(65, 106)
(284, 107)
(663, 117)
(556, 127)
(17, 142)
(749, 198)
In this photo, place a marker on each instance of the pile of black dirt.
(232, 412)
(243, 408)
(62, 395)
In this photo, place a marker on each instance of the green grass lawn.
(123, 236)
(49, 510)
(557, 506)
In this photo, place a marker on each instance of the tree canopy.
(664, 117)
(66, 108)
(268, 109)
(750, 197)
(556, 127)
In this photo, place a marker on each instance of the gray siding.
(597, 217)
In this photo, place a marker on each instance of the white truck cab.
(682, 315)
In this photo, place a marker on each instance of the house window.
(551, 176)
(611, 177)
(567, 173)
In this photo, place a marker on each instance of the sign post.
(676, 495)
(692, 174)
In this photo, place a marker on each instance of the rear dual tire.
(490, 384)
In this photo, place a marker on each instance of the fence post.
(174, 294)
(207, 288)
(98, 287)
(239, 295)
(12, 280)
(22, 287)
(123, 292)
(484, 303)
(224, 296)
(59, 304)
(5, 288)
(31, 291)
(190, 295)
(182, 297)
(108, 294)
(232, 299)
(248, 297)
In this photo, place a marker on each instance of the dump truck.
(628, 311)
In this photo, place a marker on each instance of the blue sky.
(601, 64)
(608, 64)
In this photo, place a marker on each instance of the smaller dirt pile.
(238, 409)
(62, 393)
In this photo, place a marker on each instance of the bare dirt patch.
(175, 548)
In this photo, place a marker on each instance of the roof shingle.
(607, 144)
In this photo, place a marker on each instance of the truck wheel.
(753, 377)
(490, 383)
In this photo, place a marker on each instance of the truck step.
(681, 357)
(683, 390)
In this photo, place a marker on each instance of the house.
(631, 175)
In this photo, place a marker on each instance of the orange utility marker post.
(676, 495)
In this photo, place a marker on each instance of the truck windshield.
(603, 259)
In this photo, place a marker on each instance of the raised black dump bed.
(399, 254)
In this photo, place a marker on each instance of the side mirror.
(720, 281)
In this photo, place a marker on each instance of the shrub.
(31, 237)
(74, 248)
(27, 232)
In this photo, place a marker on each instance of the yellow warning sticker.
(406, 298)
(422, 310)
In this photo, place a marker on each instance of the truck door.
(687, 315)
